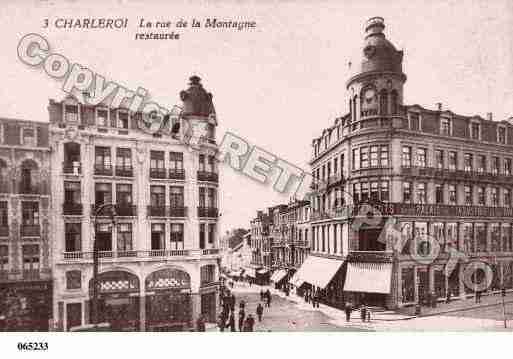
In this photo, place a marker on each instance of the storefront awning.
(278, 275)
(296, 281)
(318, 271)
(250, 272)
(368, 277)
(262, 271)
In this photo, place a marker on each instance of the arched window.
(383, 102)
(394, 100)
(354, 108)
(29, 172)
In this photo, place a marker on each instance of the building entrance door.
(208, 307)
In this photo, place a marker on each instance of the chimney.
(439, 106)
(489, 116)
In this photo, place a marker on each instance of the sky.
(277, 85)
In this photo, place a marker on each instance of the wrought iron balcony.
(177, 211)
(30, 230)
(178, 174)
(167, 211)
(4, 231)
(124, 171)
(204, 212)
(208, 176)
(210, 251)
(72, 209)
(370, 256)
(102, 170)
(25, 188)
(126, 210)
(157, 211)
(73, 168)
(31, 274)
(159, 173)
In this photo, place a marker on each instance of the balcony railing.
(134, 254)
(30, 230)
(102, 170)
(4, 231)
(72, 209)
(166, 211)
(25, 188)
(204, 212)
(73, 168)
(208, 176)
(159, 173)
(157, 211)
(124, 171)
(178, 174)
(454, 174)
(31, 274)
(370, 256)
(177, 211)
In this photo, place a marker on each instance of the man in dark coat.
(232, 303)
(348, 308)
(242, 315)
(200, 324)
(222, 321)
(242, 304)
(259, 311)
(250, 323)
(268, 295)
(231, 322)
(261, 294)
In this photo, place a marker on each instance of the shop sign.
(168, 279)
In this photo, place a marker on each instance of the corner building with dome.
(426, 171)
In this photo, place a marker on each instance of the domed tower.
(377, 87)
(198, 107)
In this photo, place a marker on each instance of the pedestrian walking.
(242, 316)
(222, 322)
(259, 311)
(448, 299)
(242, 304)
(231, 322)
(262, 294)
(200, 324)
(232, 302)
(268, 297)
(368, 314)
(348, 308)
(363, 312)
(249, 324)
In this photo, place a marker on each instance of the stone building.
(25, 231)
(422, 173)
(151, 203)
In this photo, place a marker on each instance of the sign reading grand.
(168, 279)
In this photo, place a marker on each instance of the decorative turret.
(196, 100)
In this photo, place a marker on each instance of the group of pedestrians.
(245, 323)
(312, 297)
(365, 313)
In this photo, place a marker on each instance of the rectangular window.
(157, 160)
(4, 219)
(104, 237)
(406, 156)
(4, 258)
(157, 196)
(481, 166)
(481, 237)
(507, 166)
(124, 237)
(124, 158)
(102, 117)
(374, 193)
(495, 165)
(452, 194)
(506, 238)
(356, 159)
(496, 237)
(123, 120)
(384, 156)
(421, 192)
(407, 192)
(202, 199)
(158, 241)
(211, 233)
(507, 197)
(439, 193)
(453, 160)
(439, 235)
(356, 192)
(71, 113)
(481, 196)
(177, 237)
(30, 213)
(374, 151)
(364, 157)
(445, 127)
(468, 159)
(365, 191)
(202, 235)
(414, 121)
(495, 197)
(102, 159)
(468, 195)
(502, 135)
(474, 131)
(176, 161)
(421, 157)
(202, 163)
(30, 253)
(468, 237)
(385, 196)
(103, 193)
(73, 237)
(212, 202)
(176, 196)
(439, 159)
(124, 194)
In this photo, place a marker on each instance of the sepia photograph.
(255, 166)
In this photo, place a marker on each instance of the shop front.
(168, 300)
(368, 283)
(25, 305)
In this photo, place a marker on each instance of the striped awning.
(278, 275)
(318, 271)
(368, 277)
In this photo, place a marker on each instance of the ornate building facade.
(25, 258)
(430, 173)
(151, 203)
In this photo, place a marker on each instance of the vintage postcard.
(246, 166)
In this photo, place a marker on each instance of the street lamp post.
(94, 299)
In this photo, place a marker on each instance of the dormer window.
(71, 113)
(102, 117)
(414, 121)
(501, 134)
(445, 127)
(475, 130)
(123, 120)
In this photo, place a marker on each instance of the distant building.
(25, 229)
